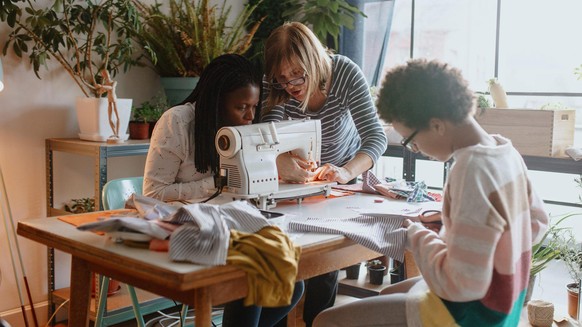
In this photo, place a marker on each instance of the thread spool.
(540, 313)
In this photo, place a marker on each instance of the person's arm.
(457, 265)
(359, 164)
(169, 149)
(365, 116)
(374, 142)
(539, 217)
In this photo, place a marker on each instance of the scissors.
(434, 225)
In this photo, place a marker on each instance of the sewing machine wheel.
(227, 142)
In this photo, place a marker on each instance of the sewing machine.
(248, 160)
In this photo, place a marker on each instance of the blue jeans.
(238, 315)
(320, 292)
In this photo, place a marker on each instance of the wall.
(32, 110)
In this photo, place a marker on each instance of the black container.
(353, 272)
(376, 274)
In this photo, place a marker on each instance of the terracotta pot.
(152, 125)
(139, 130)
(573, 300)
(114, 286)
(376, 274)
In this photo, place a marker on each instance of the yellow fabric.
(433, 312)
(270, 260)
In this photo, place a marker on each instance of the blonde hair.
(295, 45)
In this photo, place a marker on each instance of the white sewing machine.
(248, 160)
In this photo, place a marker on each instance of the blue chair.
(115, 193)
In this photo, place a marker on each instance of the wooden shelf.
(119, 303)
(360, 287)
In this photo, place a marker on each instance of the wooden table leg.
(80, 293)
(203, 308)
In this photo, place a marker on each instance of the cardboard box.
(534, 132)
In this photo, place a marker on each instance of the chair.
(115, 193)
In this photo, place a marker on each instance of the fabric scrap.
(381, 233)
(270, 260)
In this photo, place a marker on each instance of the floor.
(550, 287)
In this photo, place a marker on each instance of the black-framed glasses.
(293, 82)
(407, 142)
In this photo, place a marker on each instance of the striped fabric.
(203, 237)
(381, 233)
(370, 180)
(349, 121)
(476, 271)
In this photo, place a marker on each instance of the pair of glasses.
(407, 142)
(293, 82)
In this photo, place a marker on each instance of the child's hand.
(431, 219)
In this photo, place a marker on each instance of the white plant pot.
(94, 122)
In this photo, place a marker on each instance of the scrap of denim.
(411, 191)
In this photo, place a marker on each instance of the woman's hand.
(293, 169)
(332, 173)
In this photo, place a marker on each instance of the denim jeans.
(238, 315)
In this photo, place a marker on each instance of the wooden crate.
(534, 132)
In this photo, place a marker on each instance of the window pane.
(399, 45)
(461, 33)
(540, 47)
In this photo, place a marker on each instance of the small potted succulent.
(144, 118)
(376, 271)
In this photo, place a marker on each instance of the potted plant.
(546, 250)
(376, 271)
(145, 117)
(92, 41)
(325, 19)
(185, 37)
(571, 255)
(353, 271)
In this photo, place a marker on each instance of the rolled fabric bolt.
(540, 313)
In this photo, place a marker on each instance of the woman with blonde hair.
(305, 80)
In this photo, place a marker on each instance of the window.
(531, 46)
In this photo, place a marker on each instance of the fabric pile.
(398, 189)
(235, 233)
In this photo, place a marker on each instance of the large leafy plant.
(185, 37)
(87, 38)
(326, 17)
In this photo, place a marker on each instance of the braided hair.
(222, 75)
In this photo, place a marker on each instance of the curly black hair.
(221, 76)
(414, 93)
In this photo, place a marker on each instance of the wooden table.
(198, 286)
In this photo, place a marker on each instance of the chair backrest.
(117, 191)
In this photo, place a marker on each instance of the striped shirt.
(477, 270)
(349, 121)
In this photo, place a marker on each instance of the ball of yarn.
(540, 313)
